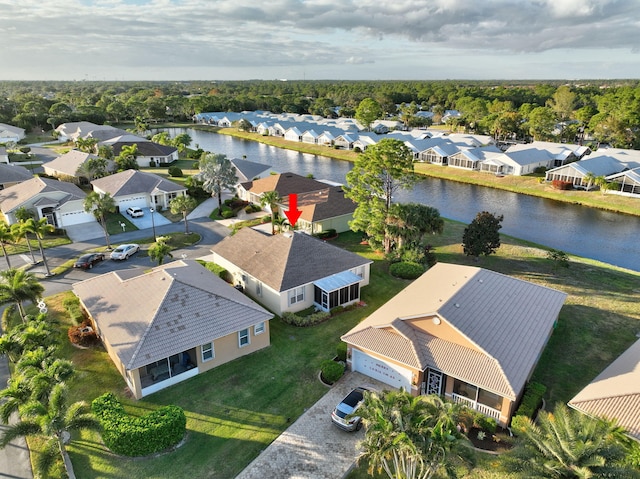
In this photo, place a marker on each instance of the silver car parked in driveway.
(344, 416)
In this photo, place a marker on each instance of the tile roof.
(284, 184)
(184, 306)
(286, 261)
(615, 392)
(16, 195)
(131, 182)
(508, 320)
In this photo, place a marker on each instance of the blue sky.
(318, 39)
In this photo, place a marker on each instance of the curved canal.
(592, 233)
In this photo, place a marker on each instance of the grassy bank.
(234, 411)
(529, 185)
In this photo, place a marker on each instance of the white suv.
(135, 212)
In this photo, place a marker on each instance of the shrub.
(485, 423)
(252, 208)
(331, 370)
(518, 423)
(138, 436)
(310, 320)
(531, 399)
(152, 163)
(330, 233)
(341, 351)
(175, 172)
(75, 311)
(562, 185)
(406, 270)
(226, 214)
(83, 335)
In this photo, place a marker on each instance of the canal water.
(609, 237)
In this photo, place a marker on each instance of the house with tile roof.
(324, 206)
(137, 188)
(189, 322)
(615, 392)
(62, 203)
(150, 154)
(11, 174)
(470, 334)
(292, 271)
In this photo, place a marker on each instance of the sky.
(319, 39)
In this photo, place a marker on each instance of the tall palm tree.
(159, 250)
(43, 370)
(20, 230)
(217, 173)
(183, 204)
(53, 422)
(568, 444)
(17, 286)
(40, 228)
(7, 236)
(271, 199)
(100, 206)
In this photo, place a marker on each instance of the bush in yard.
(310, 320)
(562, 185)
(226, 214)
(138, 436)
(175, 172)
(331, 370)
(341, 351)
(531, 399)
(217, 270)
(406, 270)
(72, 305)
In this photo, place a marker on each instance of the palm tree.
(183, 204)
(52, 421)
(589, 178)
(88, 145)
(217, 173)
(17, 286)
(159, 250)
(40, 228)
(7, 236)
(100, 205)
(20, 230)
(568, 444)
(43, 370)
(271, 199)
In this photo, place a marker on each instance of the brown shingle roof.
(509, 320)
(615, 392)
(147, 317)
(283, 261)
(284, 184)
(131, 182)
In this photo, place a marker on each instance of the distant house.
(189, 322)
(10, 133)
(615, 392)
(4, 156)
(137, 188)
(60, 202)
(65, 167)
(292, 271)
(324, 206)
(250, 170)
(627, 182)
(150, 154)
(470, 334)
(11, 175)
(577, 171)
(85, 129)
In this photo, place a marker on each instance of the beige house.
(292, 271)
(470, 334)
(170, 324)
(615, 392)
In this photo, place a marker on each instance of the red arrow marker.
(294, 213)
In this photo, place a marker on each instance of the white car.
(123, 251)
(135, 212)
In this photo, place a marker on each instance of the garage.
(124, 203)
(379, 369)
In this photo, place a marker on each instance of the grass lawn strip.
(234, 411)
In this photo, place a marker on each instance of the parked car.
(123, 251)
(347, 407)
(135, 212)
(86, 261)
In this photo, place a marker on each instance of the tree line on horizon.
(602, 111)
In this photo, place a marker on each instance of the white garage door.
(76, 218)
(139, 201)
(388, 373)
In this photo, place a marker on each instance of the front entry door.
(434, 382)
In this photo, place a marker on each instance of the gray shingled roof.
(69, 163)
(283, 261)
(16, 195)
(248, 170)
(10, 173)
(506, 321)
(177, 306)
(145, 147)
(131, 182)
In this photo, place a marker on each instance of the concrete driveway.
(148, 220)
(312, 447)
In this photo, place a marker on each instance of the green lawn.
(237, 409)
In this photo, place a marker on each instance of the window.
(258, 329)
(207, 352)
(243, 338)
(258, 288)
(358, 271)
(296, 295)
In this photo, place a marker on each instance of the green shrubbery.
(331, 370)
(294, 320)
(72, 305)
(251, 208)
(175, 172)
(406, 270)
(138, 436)
(330, 233)
(217, 270)
(341, 351)
(531, 399)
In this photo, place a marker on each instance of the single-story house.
(293, 134)
(615, 392)
(10, 133)
(470, 334)
(576, 172)
(519, 162)
(250, 170)
(189, 322)
(628, 182)
(137, 188)
(560, 153)
(150, 154)
(11, 175)
(65, 167)
(60, 202)
(324, 206)
(292, 271)
(85, 129)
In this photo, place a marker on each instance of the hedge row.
(138, 436)
(406, 270)
(531, 399)
(310, 320)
